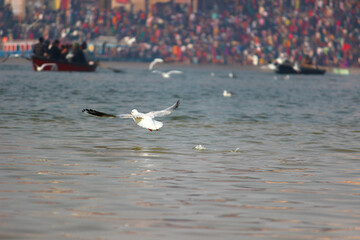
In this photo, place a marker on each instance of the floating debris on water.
(199, 147)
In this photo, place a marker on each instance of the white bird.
(167, 74)
(227, 94)
(144, 120)
(296, 67)
(43, 66)
(155, 61)
(231, 75)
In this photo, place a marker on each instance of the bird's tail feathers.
(97, 113)
(157, 125)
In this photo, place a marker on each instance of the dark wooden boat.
(290, 69)
(44, 64)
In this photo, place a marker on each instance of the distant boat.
(43, 64)
(287, 68)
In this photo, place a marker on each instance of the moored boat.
(287, 68)
(45, 64)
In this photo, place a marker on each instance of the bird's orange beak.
(130, 113)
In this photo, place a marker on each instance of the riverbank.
(212, 67)
(216, 67)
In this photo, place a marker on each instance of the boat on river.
(44, 64)
(287, 68)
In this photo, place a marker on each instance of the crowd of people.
(253, 32)
(6, 20)
(73, 53)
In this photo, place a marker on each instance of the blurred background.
(245, 32)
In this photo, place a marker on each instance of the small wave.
(183, 118)
(343, 150)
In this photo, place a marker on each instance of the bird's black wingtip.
(97, 113)
(177, 104)
(89, 111)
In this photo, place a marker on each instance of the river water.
(280, 159)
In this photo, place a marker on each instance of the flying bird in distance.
(155, 61)
(167, 74)
(144, 120)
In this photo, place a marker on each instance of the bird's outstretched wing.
(97, 113)
(155, 61)
(165, 111)
(124, 115)
(175, 72)
(157, 71)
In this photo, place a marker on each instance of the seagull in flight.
(53, 67)
(144, 120)
(155, 61)
(167, 74)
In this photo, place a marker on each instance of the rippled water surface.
(280, 159)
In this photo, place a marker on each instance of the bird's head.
(134, 112)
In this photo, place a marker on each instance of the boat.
(44, 64)
(287, 68)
